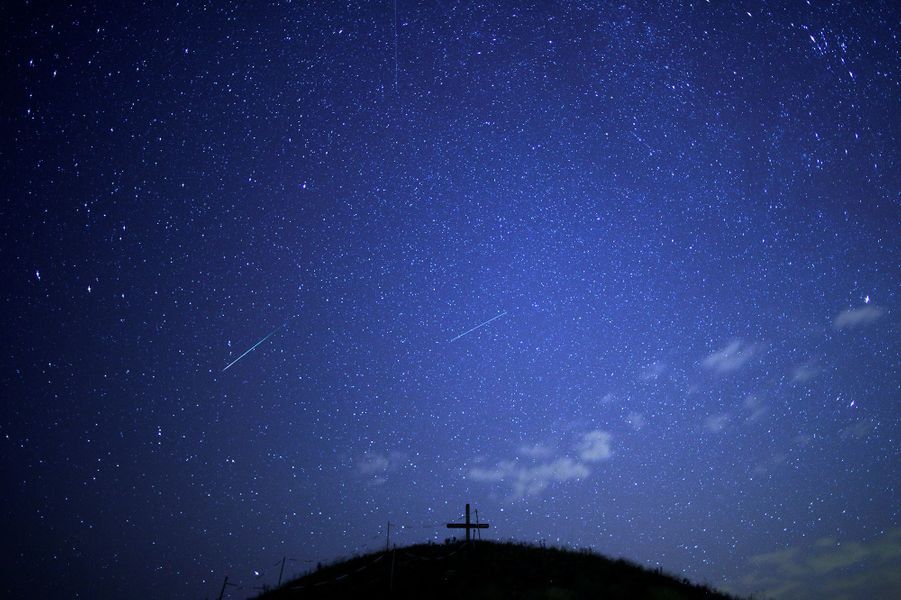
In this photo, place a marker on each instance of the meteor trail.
(251, 349)
(479, 325)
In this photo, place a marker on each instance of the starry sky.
(622, 275)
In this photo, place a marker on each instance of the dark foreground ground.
(488, 570)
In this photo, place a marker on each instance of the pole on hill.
(388, 537)
(282, 570)
(391, 576)
(225, 584)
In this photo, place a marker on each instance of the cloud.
(595, 446)
(731, 358)
(528, 478)
(802, 440)
(499, 472)
(373, 463)
(716, 423)
(636, 420)
(755, 407)
(376, 466)
(858, 317)
(804, 373)
(535, 479)
(652, 371)
(754, 410)
(827, 568)
(536, 451)
(859, 430)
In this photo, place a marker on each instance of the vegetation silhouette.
(486, 569)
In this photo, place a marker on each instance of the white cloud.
(755, 407)
(652, 371)
(731, 358)
(499, 472)
(859, 430)
(857, 317)
(636, 420)
(802, 440)
(535, 479)
(595, 446)
(536, 451)
(528, 480)
(716, 423)
(804, 373)
(373, 463)
(531, 477)
(376, 465)
(825, 568)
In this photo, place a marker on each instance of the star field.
(623, 276)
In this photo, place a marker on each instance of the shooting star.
(479, 325)
(252, 348)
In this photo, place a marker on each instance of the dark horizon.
(486, 569)
(620, 275)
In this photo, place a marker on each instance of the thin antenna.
(225, 584)
(391, 577)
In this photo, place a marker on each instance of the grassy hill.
(488, 570)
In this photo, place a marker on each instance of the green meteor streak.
(477, 326)
(252, 348)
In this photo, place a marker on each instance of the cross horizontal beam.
(468, 524)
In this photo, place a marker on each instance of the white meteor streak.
(479, 325)
(252, 348)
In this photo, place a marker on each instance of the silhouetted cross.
(467, 525)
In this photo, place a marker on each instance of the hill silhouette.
(488, 570)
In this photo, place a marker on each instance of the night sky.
(622, 275)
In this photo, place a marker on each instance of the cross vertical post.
(467, 522)
(468, 525)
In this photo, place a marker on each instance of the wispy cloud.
(752, 410)
(716, 423)
(858, 317)
(595, 446)
(528, 480)
(498, 472)
(530, 477)
(376, 466)
(804, 373)
(731, 358)
(859, 430)
(536, 451)
(827, 568)
(636, 420)
(755, 407)
(652, 371)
